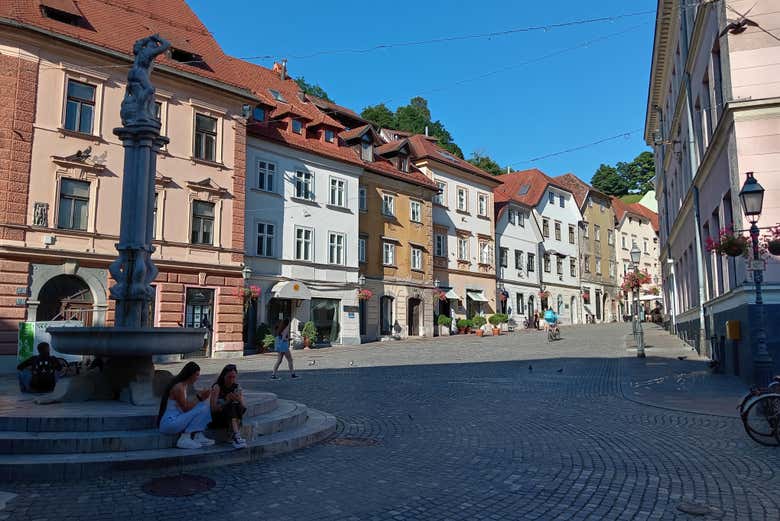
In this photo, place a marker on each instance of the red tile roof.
(576, 186)
(392, 146)
(115, 25)
(621, 207)
(423, 147)
(525, 187)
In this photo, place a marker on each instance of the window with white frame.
(571, 234)
(202, 222)
(623, 238)
(463, 248)
(562, 201)
(520, 309)
(80, 107)
(531, 262)
(440, 245)
(612, 269)
(504, 257)
(304, 244)
(362, 199)
(415, 210)
(417, 255)
(546, 227)
(551, 197)
(154, 217)
(304, 185)
(482, 204)
(336, 248)
(265, 239)
(557, 230)
(510, 217)
(388, 254)
(586, 262)
(362, 240)
(572, 267)
(547, 264)
(645, 246)
(74, 205)
(485, 252)
(338, 192)
(611, 237)
(205, 138)
(388, 205)
(586, 230)
(559, 265)
(441, 196)
(521, 218)
(330, 135)
(596, 232)
(266, 175)
(463, 201)
(518, 260)
(366, 148)
(598, 265)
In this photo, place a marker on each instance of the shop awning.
(646, 298)
(476, 296)
(291, 289)
(451, 295)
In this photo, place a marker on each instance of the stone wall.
(13, 293)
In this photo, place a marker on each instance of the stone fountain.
(126, 349)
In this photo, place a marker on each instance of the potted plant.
(261, 333)
(728, 243)
(309, 334)
(268, 342)
(439, 295)
(444, 323)
(495, 321)
(478, 321)
(463, 324)
(364, 294)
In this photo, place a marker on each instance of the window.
(74, 203)
(518, 260)
(440, 245)
(258, 113)
(597, 232)
(304, 185)
(366, 148)
(336, 245)
(277, 95)
(521, 218)
(572, 267)
(362, 199)
(202, 222)
(562, 201)
(485, 252)
(403, 163)
(586, 230)
(482, 205)
(623, 241)
(598, 265)
(205, 137)
(338, 190)
(388, 205)
(304, 240)
(504, 257)
(551, 197)
(559, 265)
(80, 107)
(546, 227)
(265, 239)
(154, 217)
(158, 111)
(571, 234)
(463, 204)
(440, 197)
(612, 269)
(388, 254)
(416, 258)
(463, 249)
(546, 263)
(557, 231)
(511, 216)
(611, 237)
(586, 262)
(265, 175)
(297, 126)
(330, 136)
(602, 208)
(645, 245)
(590, 202)
(415, 210)
(362, 248)
(531, 262)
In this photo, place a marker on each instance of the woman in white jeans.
(178, 415)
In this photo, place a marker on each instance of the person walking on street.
(282, 344)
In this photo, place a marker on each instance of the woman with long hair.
(282, 344)
(189, 418)
(228, 405)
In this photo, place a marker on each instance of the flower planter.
(480, 332)
(773, 246)
(734, 249)
(496, 331)
(461, 330)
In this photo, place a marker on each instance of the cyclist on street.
(551, 319)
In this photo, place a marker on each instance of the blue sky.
(523, 105)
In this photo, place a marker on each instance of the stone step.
(104, 416)
(285, 416)
(60, 467)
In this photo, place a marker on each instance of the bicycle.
(760, 414)
(553, 333)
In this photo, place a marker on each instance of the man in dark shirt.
(38, 374)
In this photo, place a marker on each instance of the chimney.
(281, 69)
(508, 170)
(426, 130)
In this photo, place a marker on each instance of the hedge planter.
(480, 332)
(496, 331)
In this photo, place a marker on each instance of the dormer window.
(277, 95)
(330, 135)
(258, 113)
(183, 56)
(403, 163)
(297, 126)
(64, 11)
(366, 148)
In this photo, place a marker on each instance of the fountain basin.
(126, 341)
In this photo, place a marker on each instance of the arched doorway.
(531, 309)
(65, 297)
(413, 316)
(573, 309)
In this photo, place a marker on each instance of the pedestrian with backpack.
(38, 374)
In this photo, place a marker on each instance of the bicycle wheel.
(557, 334)
(550, 335)
(762, 419)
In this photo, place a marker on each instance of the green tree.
(608, 180)
(379, 115)
(639, 172)
(486, 163)
(313, 89)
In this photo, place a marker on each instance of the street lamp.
(361, 280)
(636, 255)
(752, 198)
(246, 273)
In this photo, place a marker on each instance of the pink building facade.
(713, 114)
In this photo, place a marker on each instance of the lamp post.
(246, 274)
(361, 280)
(752, 198)
(636, 254)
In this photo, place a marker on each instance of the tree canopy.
(313, 89)
(486, 163)
(624, 178)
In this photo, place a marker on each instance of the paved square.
(508, 428)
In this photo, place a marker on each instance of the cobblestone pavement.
(508, 428)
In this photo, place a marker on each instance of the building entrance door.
(413, 316)
(199, 313)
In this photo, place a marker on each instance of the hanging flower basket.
(586, 297)
(728, 243)
(544, 294)
(502, 296)
(773, 246)
(635, 280)
(364, 294)
(653, 291)
(248, 292)
(771, 241)
(439, 295)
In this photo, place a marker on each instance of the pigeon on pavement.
(559, 370)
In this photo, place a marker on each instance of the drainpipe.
(670, 262)
(692, 152)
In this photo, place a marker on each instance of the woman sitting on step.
(227, 405)
(178, 415)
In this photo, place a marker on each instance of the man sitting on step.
(38, 374)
